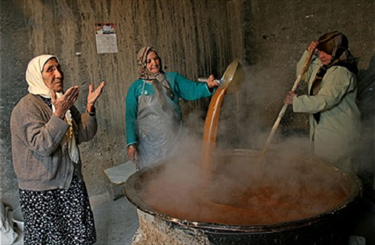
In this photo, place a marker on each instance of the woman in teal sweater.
(153, 113)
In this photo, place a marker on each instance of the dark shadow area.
(366, 95)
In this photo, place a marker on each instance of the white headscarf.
(34, 75)
(38, 87)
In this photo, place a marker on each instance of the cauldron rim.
(134, 198)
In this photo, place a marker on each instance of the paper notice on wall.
(106, 41)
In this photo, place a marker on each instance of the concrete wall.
(195, 38)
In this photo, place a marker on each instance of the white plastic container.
(17, 218)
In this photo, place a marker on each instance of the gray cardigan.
(37, 133)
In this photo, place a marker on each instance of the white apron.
(158, 130)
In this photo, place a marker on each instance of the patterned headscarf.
(158, 78)
(142, 63)
(37, 86)
(336, 44)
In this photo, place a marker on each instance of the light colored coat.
(336, 135)
(38, 159)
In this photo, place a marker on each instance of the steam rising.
(243, 191)
(284, 187)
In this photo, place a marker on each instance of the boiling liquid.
(283, 191)
(236, 190)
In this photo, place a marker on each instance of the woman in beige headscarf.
(335, 120)
(46, 129)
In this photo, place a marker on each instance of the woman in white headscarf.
(46, 130)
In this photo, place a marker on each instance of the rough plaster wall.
(275, 34)
(190, 39)
(278, 39)
(195, 38)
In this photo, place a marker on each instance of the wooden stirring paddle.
(283, 109)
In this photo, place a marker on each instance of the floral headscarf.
(142, 63)
(146, 75)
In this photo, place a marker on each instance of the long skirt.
(58, 216)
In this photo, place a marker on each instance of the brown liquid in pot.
(236, 190)
(245, 194)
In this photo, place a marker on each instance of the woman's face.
(153, 62)
(53, 76)
(324, 57)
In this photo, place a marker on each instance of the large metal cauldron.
(269, 204)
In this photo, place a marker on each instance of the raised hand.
(94, 95)
(312, 46)
(64, 102)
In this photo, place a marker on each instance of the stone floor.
(116, 220)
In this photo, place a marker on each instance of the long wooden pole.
(283, 109)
